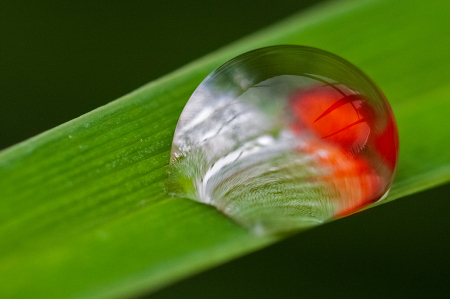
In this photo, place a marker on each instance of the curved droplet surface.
(283, 138)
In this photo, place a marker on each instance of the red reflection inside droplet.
(332, 115)
(346, 123)
(386, 143)
(351, 176)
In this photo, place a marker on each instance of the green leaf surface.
(83, 212)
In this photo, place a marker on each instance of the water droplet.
(283, 138)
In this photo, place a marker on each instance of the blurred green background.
(59, 60)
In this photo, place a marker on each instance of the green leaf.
(83, 212)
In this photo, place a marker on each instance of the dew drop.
(284, 138)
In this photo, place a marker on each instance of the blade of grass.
(83, 211)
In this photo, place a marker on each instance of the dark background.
(59, 60)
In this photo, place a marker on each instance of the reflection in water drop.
(283, 138)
